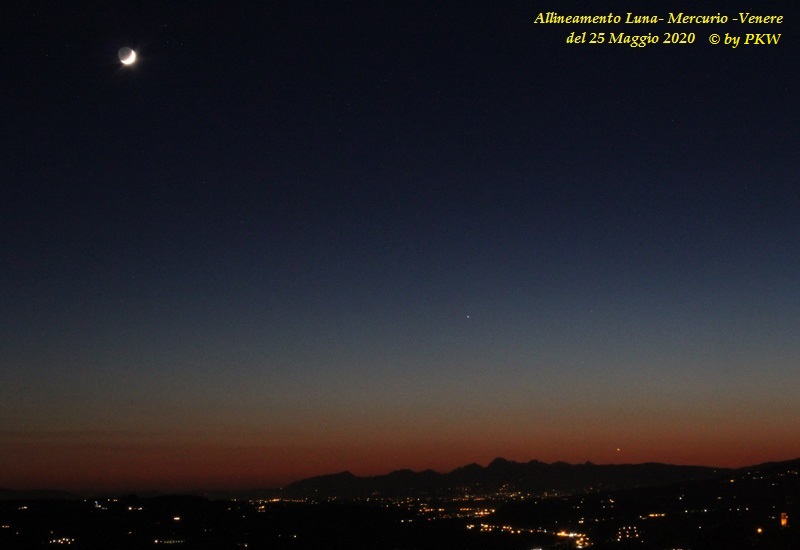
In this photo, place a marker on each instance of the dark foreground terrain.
(751, 508)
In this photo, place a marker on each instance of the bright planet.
(126, 55)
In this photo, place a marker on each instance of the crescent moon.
(126, 55)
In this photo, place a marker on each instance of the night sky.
(301, 237)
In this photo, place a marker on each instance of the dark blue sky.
(376, 236)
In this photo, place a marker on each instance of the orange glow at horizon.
(194, 465)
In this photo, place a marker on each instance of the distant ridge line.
(500, 476)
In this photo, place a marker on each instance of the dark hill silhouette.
(501, 475)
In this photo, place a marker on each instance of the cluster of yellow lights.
(570, 535)
(487, 528)
(628, 532)
(63, 540)
(479, 513)
(581, 539)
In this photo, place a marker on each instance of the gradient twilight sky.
(302, 237)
